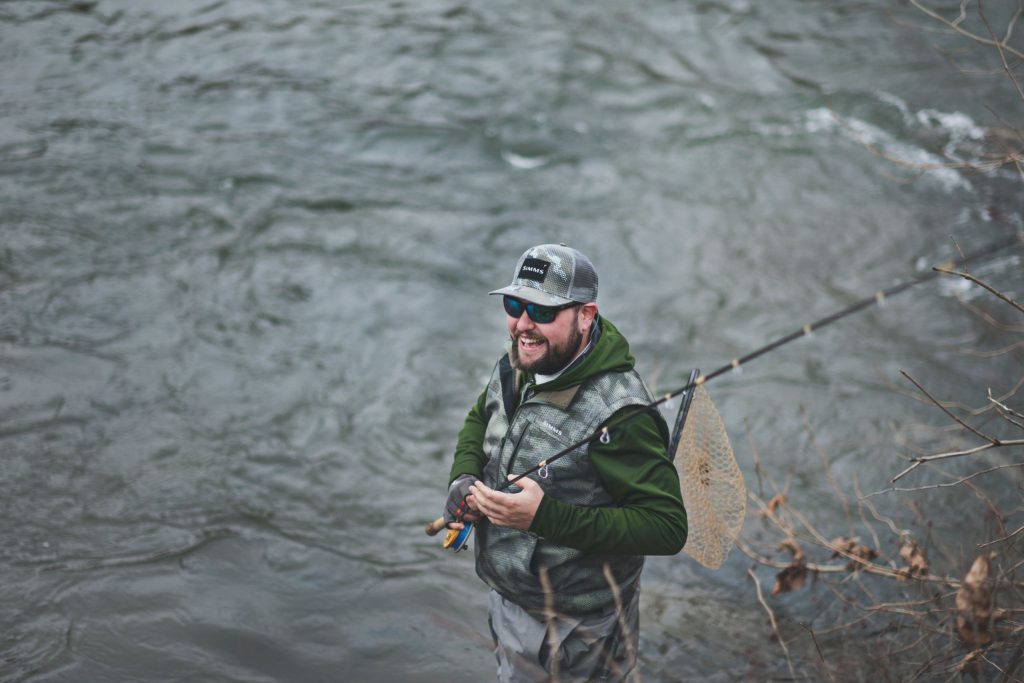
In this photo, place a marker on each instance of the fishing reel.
(455, 539)
(458, 539)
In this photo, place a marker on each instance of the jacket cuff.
(545, 521)
(455, 474)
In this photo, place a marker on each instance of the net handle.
(684, 409)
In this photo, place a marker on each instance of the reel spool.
(457, 539)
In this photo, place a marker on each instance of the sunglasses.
(537, 313)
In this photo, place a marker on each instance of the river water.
(244, 255)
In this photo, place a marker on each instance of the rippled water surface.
(244, 255)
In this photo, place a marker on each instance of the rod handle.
(435, 526)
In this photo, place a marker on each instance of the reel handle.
(434, 527)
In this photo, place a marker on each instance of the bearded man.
(560, 550)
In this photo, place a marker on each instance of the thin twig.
(814, 640)
(973, 412)
(916, 462)
(859, 562)
(984, 285)
(620, 611)
(549, 616)
(882, 518)
(994, 353)
(992, 440)
(1004, 538)
(766, 561)
(999, 48)
(753, 452)
(951, 484)
(827, 467)
(998, 324)
(956, 27)
(860, 511)
(775, 626)
(1013, 20)
(1006, 412)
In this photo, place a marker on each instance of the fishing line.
(603, 434)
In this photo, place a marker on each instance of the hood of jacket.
(610, 353)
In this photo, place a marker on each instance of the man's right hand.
(460, 506)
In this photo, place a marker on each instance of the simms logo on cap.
(534, 269)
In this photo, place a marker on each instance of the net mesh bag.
(712, 485)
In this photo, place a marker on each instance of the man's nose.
(524, 323)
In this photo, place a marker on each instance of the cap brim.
(533, 295)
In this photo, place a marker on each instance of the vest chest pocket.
(540, 440)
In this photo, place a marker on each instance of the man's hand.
(513, 510)
(460, 502)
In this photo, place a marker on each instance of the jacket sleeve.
(469, 449)
(648, 517)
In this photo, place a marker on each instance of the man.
(549, 544)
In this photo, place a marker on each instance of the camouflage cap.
(553, 275)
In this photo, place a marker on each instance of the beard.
(555, 358)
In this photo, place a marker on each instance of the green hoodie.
(648, 517)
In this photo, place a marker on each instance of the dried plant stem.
(817, 647)
(859, 562)
(550, 616)
(775, 626)
(754, 454)
(1001, 540)
(827, 467)
(766, 561)
(863, 517)
(621, 612)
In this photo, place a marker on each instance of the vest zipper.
(523, 398)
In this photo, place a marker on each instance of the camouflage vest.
(544, 423)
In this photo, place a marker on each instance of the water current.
(244, 255)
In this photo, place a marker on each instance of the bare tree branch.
(917, 462)
(968, 276)
(992, 440)
(956, 27)
(947, 485)
(1001, 49)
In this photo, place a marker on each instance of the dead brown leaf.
(917, 563)
(777, 500)
(794, 549)
(974, 603)
(971, 665)
(792, 577)
(845, 547)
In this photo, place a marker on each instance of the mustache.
(516, 336)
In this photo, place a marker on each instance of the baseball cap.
(553, 275)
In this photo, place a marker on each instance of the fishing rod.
(458, 539)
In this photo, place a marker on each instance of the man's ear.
(587, 314)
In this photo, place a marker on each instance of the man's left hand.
(513, 510)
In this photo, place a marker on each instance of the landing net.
(712, 485)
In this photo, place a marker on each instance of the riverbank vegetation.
(907, 597)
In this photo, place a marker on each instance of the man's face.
(546, 348)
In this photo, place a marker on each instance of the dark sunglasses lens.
(541, 314)
(514, 307)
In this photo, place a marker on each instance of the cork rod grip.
(435, 526)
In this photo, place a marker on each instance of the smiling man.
(553, 543)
